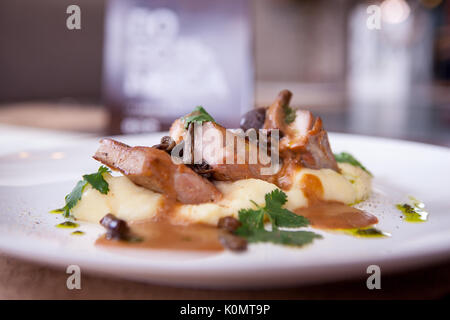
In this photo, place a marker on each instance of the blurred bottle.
(164, 57)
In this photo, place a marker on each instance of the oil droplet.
(414, 212)
(67, 224)
(56, 211)
(77, 233)
(369, 232)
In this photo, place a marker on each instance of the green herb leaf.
(289, 114)
(293, 238)
(276, 198)
(97, 181)
(73, 197)
(199, 115)
(279, 216)
(348, 158)
(252, 221)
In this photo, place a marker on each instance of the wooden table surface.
(24, 280)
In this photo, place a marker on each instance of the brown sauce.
(330, 214)
(164, 212)
(336, 215)
(312, 188)
(163, 235)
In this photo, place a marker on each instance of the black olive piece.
(253, 119)
(229, 223)
(232, 242)
(116, 228)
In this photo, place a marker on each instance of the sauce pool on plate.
(163, 235)
(330, 214)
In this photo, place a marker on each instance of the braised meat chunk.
(224, 155)
(153, 169)
(315, 150)
(227, 155)
(304, 137)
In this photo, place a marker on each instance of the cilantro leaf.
(279, 216)
(252, 219)
(252, 223)
(199, 115)
(97, 181)
(348, 158)
(294, 238)
(276, 198)
(73, 197)
(286, 219)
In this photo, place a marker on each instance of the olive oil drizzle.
(77, 233)
(67, 225)
(369, 232)
(414, 212)
(56, 211)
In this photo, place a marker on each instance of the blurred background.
(136, 65)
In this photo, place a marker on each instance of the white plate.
(33, 183)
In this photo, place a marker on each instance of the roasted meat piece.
(226, 161)
(153, 169)
(304, 138)
(304, 142)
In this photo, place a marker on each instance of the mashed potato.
(130, 202)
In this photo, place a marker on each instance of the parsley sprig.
(289, 114)
(252, 221)
(96, 180)
(199, 115)
(348, 158)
